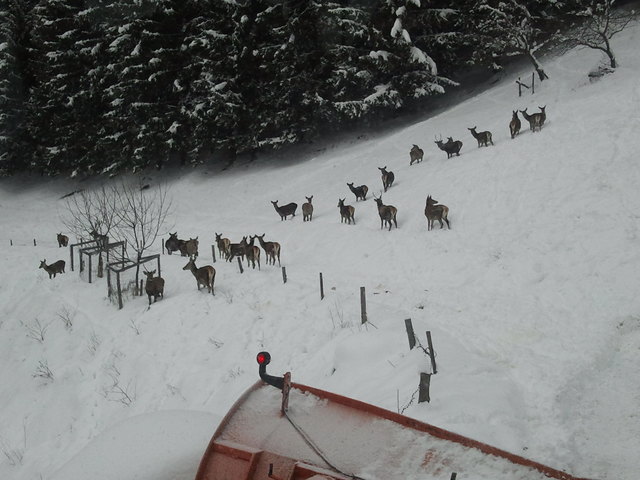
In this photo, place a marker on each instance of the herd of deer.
(205, 276)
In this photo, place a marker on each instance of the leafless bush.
(215, 343)
(67, 316)
(134, 326)
(15, 454)
(36, 330)
(116, 391)
(337, 317)
(43, 371)
(94, 343)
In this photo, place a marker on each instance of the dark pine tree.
(15, 147)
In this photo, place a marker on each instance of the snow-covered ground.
(531, 297)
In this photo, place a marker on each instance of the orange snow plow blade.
(322, 435)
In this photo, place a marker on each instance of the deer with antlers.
(387, 213)
(433, 211)
(451, 147)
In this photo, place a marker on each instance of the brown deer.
(435, 212)
(528, 118)
(188, 248)
(483, 138)
(538, 119)
(252, 252)
(346, 212)
(223, 245)
(154, 286)
(236, 250)
(173, 243)
(54, 268)
(63, 240)
(387, 178)
(451, 147)
(387, 213)
(285, 210)
(360, 192)
(515, 124)
(307, 209)
(271, 249)
(101, 239)
(415, 155)
(205, 276)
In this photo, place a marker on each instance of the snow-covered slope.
(531, 297)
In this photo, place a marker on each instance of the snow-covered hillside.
(531, 297)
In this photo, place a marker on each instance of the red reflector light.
(263, 358)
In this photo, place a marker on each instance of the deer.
(101, 239)
(191, 247)
(415, 154)
(451, 147)
(236, 250)
(205, 276)
(223, 245)
(360, 192)
(63, 240)
(285, 210)
(346, 212)
(514, 124)
(538, 119)
(252, 252)
(528, 118)
(387, 213)
(173, 243)
(483, 138)
(54, 268)
(307, 209)
(387, 177)
(271, 249)
(153, 286)
(435, 212)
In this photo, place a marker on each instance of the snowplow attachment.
(322, 435)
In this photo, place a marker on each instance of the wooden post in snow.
(363, 306)
(284, 275)
(432, 354)
(410, 334)
(240, 265)
(321, 288)
(213, 253)
(423, 388)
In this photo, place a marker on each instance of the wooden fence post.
(34, 242)
(163, 246)
(432, 354)
(89, 272)
(423, 389)
(284, 275)
(453, 476)
(363, 306)
(213, 253)
(533, 83)
(119, 290)
(410, 334)
(11, 242)
(321, 288)
(240, 265)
